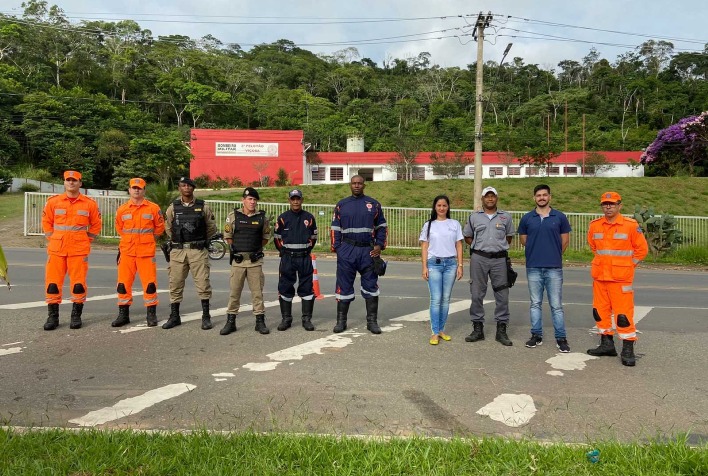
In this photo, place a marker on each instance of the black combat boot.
(261, 325)
(52, 317)
(627, 354)
(501, 337)
(152, 316)
(286, 313)
(342, 310)
(123, 316)
(307, 307)
(76, 310)
(230, 325)
(477, 332)
(206, 317)
(174, 319)
(372, 312)
(606, 347)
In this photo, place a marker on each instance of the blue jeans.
(550, 279)
(441, 279)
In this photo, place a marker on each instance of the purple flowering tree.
(680, 147)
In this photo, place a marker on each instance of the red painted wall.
(240, 152)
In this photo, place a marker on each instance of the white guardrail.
(404, 224)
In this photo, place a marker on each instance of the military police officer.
(295, 236)
(247, 230)
(189, 225)
(489, 233)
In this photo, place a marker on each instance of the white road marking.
(195, 316)
(11, 350)
(224, 374)
(220, 379)
(423, 316)
(570, 361)
(555, 373)
(261, 366)
(334, 341)
(131, 406)
(510, 409)
(26, 305)
(11, 343)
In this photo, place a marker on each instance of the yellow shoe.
(434, 340)
(445, 337)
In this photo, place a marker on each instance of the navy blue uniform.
(295, 236)
(358, 224)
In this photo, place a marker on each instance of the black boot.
(372, 311)
(606, 347)
(342, 310)
(152, 316)
(230, 325)
(174, 319)
(261, 325)
(123, 316)
(477, 332)
(286, 313)
(206, 317)
(76, 310)
(52, 317)
(627, 354)
(307, 307)
(501, 337)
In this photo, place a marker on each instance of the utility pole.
(565, 120)
(483, 21)
(582, 173)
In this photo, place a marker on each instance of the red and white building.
(251, 155)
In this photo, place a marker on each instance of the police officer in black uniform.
(295, 236)
(247, 231)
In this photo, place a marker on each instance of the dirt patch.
(11, 235)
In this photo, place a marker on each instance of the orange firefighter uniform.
(618, 248)
(70, 225)
(138, 226)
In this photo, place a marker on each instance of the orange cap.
(137, 182)
(610, 197)
(72, 174)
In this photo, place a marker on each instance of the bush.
(282, 178)
(660, 231)
(33, 173)
(236, 182)
(218, 183)
(29, 187)
(202, 181)
(5, 180)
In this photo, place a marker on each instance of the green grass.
(12, 206)
(138, 453)
(684, 196)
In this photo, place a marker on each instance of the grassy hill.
(674, 195)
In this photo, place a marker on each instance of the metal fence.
(404, 224)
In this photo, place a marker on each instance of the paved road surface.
(355, 382)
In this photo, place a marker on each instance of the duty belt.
(498, 254)
(361, 244)
(191, 245)
(295, 253)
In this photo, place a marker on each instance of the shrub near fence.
(404, 224)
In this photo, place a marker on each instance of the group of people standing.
(617, 242)
(71, 221)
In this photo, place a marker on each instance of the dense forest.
(109, 99)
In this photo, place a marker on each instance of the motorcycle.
(217, 247)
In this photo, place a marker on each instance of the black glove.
(379, 266)
(255, 256)
(118, 258)
(166, 247)
(511, 275)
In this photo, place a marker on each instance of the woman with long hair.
(441, 252)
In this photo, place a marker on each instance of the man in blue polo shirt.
(545, 232)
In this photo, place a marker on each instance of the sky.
(543, 32)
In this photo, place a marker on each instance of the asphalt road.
(353, 383)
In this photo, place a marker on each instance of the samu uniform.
(138, 226)
(489, 250)
(248, 234)
(295, 236)
(70, 225)
(358, 225)
(188, 227)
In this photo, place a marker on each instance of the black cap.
(295, 193)
(188, 181)
(251, 192)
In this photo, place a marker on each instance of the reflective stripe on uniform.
(598, 236)
(300, 246)
(59, 211)
(342, 297)
(615, 252)
(138, 231)
(71, 228)
(357, 230)
(375, 293)
(627, 289)
(127, 216)
(147, 216)
(628, 335)
(621, 236)
(82, 212)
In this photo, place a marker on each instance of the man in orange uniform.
(139, 223)
(619, 245)
(71, 221)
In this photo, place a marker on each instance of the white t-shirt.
(444, 234)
